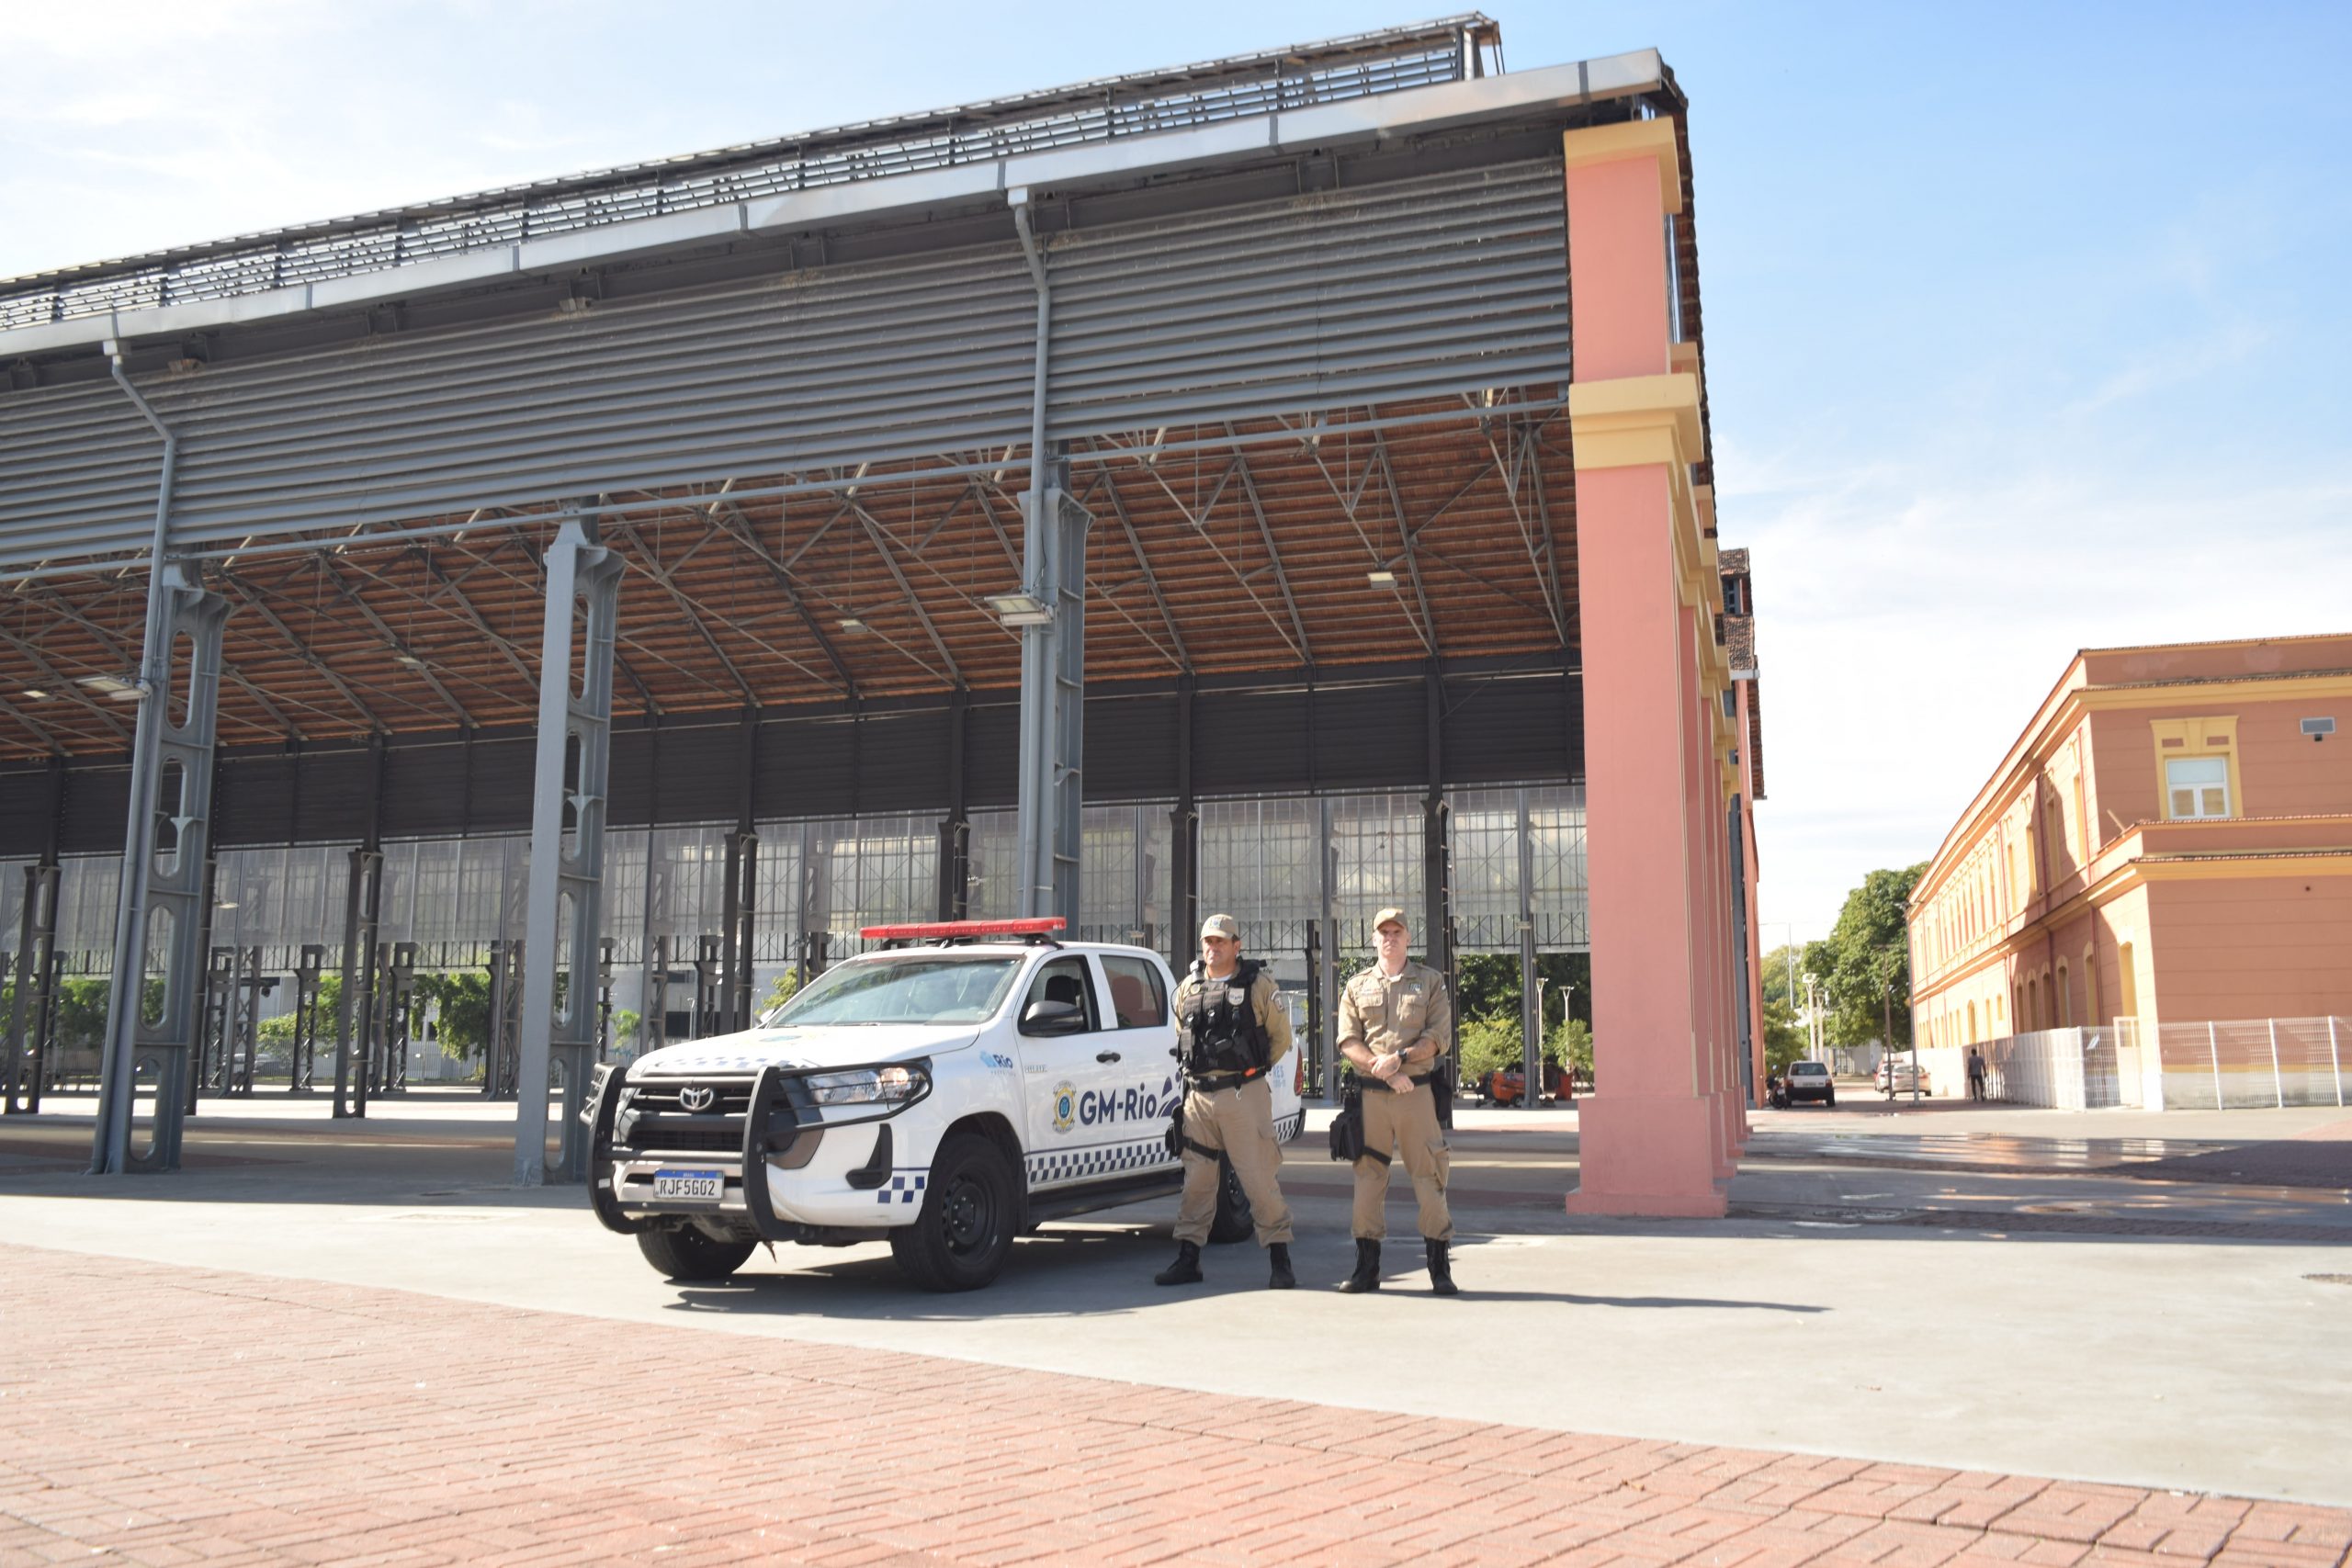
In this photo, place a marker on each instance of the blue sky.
(2025, 324)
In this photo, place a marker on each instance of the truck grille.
(655, 1118)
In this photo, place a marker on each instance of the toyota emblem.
(697, 1097)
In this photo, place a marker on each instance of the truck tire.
(1233, 1222)
(687, 1254)
(971, 1211)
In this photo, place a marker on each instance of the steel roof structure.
(1285, 336)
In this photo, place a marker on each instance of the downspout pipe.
(1037, 642)
(110, 1153)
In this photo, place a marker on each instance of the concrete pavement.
(1882, 1295)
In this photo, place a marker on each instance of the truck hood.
(838, 1046)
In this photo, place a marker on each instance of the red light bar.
(1043, 926)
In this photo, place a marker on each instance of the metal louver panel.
(839, 365)
(78, 470)
(1424, 287)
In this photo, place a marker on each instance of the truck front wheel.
(970, 1211)
(687, 1254)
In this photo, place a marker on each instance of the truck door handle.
(1106, 1055)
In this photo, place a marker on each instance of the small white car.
(1901, 1074)
(947, 1093)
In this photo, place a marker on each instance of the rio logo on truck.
(1101, 1106)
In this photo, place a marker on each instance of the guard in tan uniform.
(1232, 1027)
(1395, 1024)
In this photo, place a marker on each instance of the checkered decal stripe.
(1106, 1159)
(903, 1189)
(1289, 1127)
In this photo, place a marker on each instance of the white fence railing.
(2240, 1063)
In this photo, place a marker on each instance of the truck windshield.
(918, 988)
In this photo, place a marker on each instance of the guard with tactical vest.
(1231, 1030)
(1396, 1026)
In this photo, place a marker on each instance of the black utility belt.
(1215, 1081)
(1370, 1082)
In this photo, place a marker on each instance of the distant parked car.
(1810, 1080)
(1900, 1075)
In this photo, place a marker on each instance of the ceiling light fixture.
(1019, 609)
(852, 624)
(37, 694)
(1383, 578)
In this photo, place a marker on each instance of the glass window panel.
(2199, 787)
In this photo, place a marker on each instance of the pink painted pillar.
(1750, 870)
(1654, 1137)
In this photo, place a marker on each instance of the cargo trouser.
(1407, 1123)
(1240, 1123)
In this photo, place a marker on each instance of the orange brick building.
(2170, 841)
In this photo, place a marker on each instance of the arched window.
(2065, 996)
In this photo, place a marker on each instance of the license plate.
(688, 1184)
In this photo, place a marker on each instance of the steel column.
(1053, 699)
(1184, 840)
(1437, 872)
(954, 900)
(159, 904)
(1531, 1006)
(355, 1009)
(740, 918)
(32, 1003)
(563, 917)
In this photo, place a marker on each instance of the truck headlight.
(893, 1084)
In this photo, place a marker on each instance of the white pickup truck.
(961, 1085)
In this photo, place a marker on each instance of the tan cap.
(1222, 925)
(1387, 915)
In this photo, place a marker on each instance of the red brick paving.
(162, 1415)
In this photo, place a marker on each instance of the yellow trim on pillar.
(1631, 139)
(1630, 420)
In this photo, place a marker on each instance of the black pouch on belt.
(1347, 1127)
(1175, 1135)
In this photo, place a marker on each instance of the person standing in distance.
(1231, 1030)
(1395, 1025)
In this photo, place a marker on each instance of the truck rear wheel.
(970, 1211)
(687, 1254)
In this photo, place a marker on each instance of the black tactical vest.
(1223, 1036)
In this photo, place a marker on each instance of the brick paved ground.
(171, 1415)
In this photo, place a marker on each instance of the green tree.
(1485, 985)
(1774, 973)
(1864, 964)
(1784, 1037)
(1570, 1044)
(280, 1030)
(626, 1023)
(1491, 1043)
(786, 984)
(461, 1003)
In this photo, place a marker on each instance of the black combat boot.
(1440, 1269)
(1185, 1270)
(1367, 1274)
(1279, 1277)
